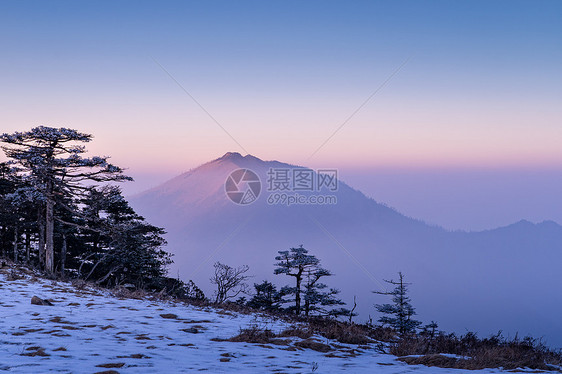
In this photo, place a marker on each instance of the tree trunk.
(16, 244)
(63, 255)
(352, 310)
(298, 293)
(41, 249)
(27, 246)
(99, 281)
(49, 233)
(402, 306)
(2, 243)
(95, 266)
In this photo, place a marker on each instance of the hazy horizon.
(454, 274)
(470, 199)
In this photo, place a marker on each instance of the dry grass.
(314, 345)
(342, 332)
(79, 284)
(431, 360)
(135, 355)
(297, 331)
(254, 334)
(115, 365)
(35, 351)
(125, 293)
(263, 336)
(191, 330)
(169, 316)
(14, 275)
(59, 319)
(476, 353)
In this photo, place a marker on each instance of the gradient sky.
(480, 92)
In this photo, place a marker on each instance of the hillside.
(88, 330)
(510, 271)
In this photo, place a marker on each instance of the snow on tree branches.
(398, 315)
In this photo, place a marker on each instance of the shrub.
(475, 353)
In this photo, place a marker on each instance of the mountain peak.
(236, 157)
(230, 156)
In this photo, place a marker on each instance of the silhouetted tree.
(309, 295)
(18, 206)
(267, 297)
(54, 199)
(230, 281)
(8, 215)
(175, 287)
(194, 292)
(398, 315)
(51, 162)
(120, 245)
(295, 263)
(318, 298)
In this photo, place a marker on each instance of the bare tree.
(230, 281)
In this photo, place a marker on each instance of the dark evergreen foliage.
(56, 212)
(308, 295)
(398, 315)
(266, 298)
(51, 164)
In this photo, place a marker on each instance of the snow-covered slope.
(88, 330)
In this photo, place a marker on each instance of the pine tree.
(267, 297)
(398, 315)
(119, 244)
(308, 294)
(193, 292)
(52, 163)
(295, 263)
(54, 197)
(17, 213)
(7, 207)
(318, 298)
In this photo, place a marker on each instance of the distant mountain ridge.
(510, 270)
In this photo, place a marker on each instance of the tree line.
(308, 296)
(63, 212)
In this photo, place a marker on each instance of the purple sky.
(473, 87)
